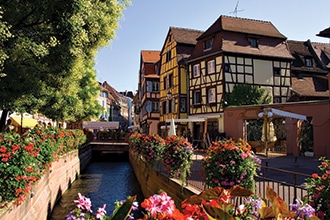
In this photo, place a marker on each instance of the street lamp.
(266, 114)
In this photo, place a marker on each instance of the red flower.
(315, 175)
(3, 149)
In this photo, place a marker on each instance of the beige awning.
(287, 114)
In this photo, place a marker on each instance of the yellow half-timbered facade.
(234, 51)
(178, 45)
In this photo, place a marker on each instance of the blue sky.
(145, 23)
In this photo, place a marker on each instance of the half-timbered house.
(149, 91)
(178, 45)
(235, 51)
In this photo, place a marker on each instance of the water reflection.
(104, 183)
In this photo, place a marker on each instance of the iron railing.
(288, 185)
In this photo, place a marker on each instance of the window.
(208, 44)
(196, 70)
(165, 82)
(163, 108)
(170, 80)
(197, 97)
(277, 71)
(155, 106)
(183, 107)
(153, 86)
(210, 67)
(277, 100)
(226, 68)
(211, 95)
(308, 62)
(168, 56)
(170, 105)
(254, 42)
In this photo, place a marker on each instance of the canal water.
(107, 179)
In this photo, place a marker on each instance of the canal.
(108, 178)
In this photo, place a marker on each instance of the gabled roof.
(243, 25)
(183, 36)
(232, 35)
(150, 56)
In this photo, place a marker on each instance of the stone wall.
(152, 181)
(56, 180)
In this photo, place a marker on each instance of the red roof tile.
(150, 56)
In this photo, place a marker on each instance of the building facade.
(235, 51)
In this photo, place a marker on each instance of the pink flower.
(101, 212)
(84, 203)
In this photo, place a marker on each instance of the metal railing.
(288, 185)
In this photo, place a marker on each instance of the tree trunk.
(3, 120)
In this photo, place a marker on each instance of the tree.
(51, 53)
(246, 94)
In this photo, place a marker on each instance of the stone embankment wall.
(49, 189)
(152, 181)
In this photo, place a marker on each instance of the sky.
(145, 24)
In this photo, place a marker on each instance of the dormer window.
(308, 62)
(253, 42)
(208, 44)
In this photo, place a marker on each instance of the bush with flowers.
(211, 204)
(23, 159)
(228, 163)
(136, 141)
(177, 157)
(152, 148)
(318, 190)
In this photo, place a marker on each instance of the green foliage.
(246, 94)
(47, 51)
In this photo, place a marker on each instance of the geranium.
(318, 190)
(228, 163)
(159, 206)
(23, 159)
(19, 166)
(135, 141)
(152, 148)
(177, 157)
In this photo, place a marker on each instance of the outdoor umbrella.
(172, 128)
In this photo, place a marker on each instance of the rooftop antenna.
(236, 10)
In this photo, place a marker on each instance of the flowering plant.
(152, 148)
(135, 141)
(19, 167)
(318, 189)
(177, 157)
(220, 203)
(23, 159)
(228, 163)
(84, 210)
